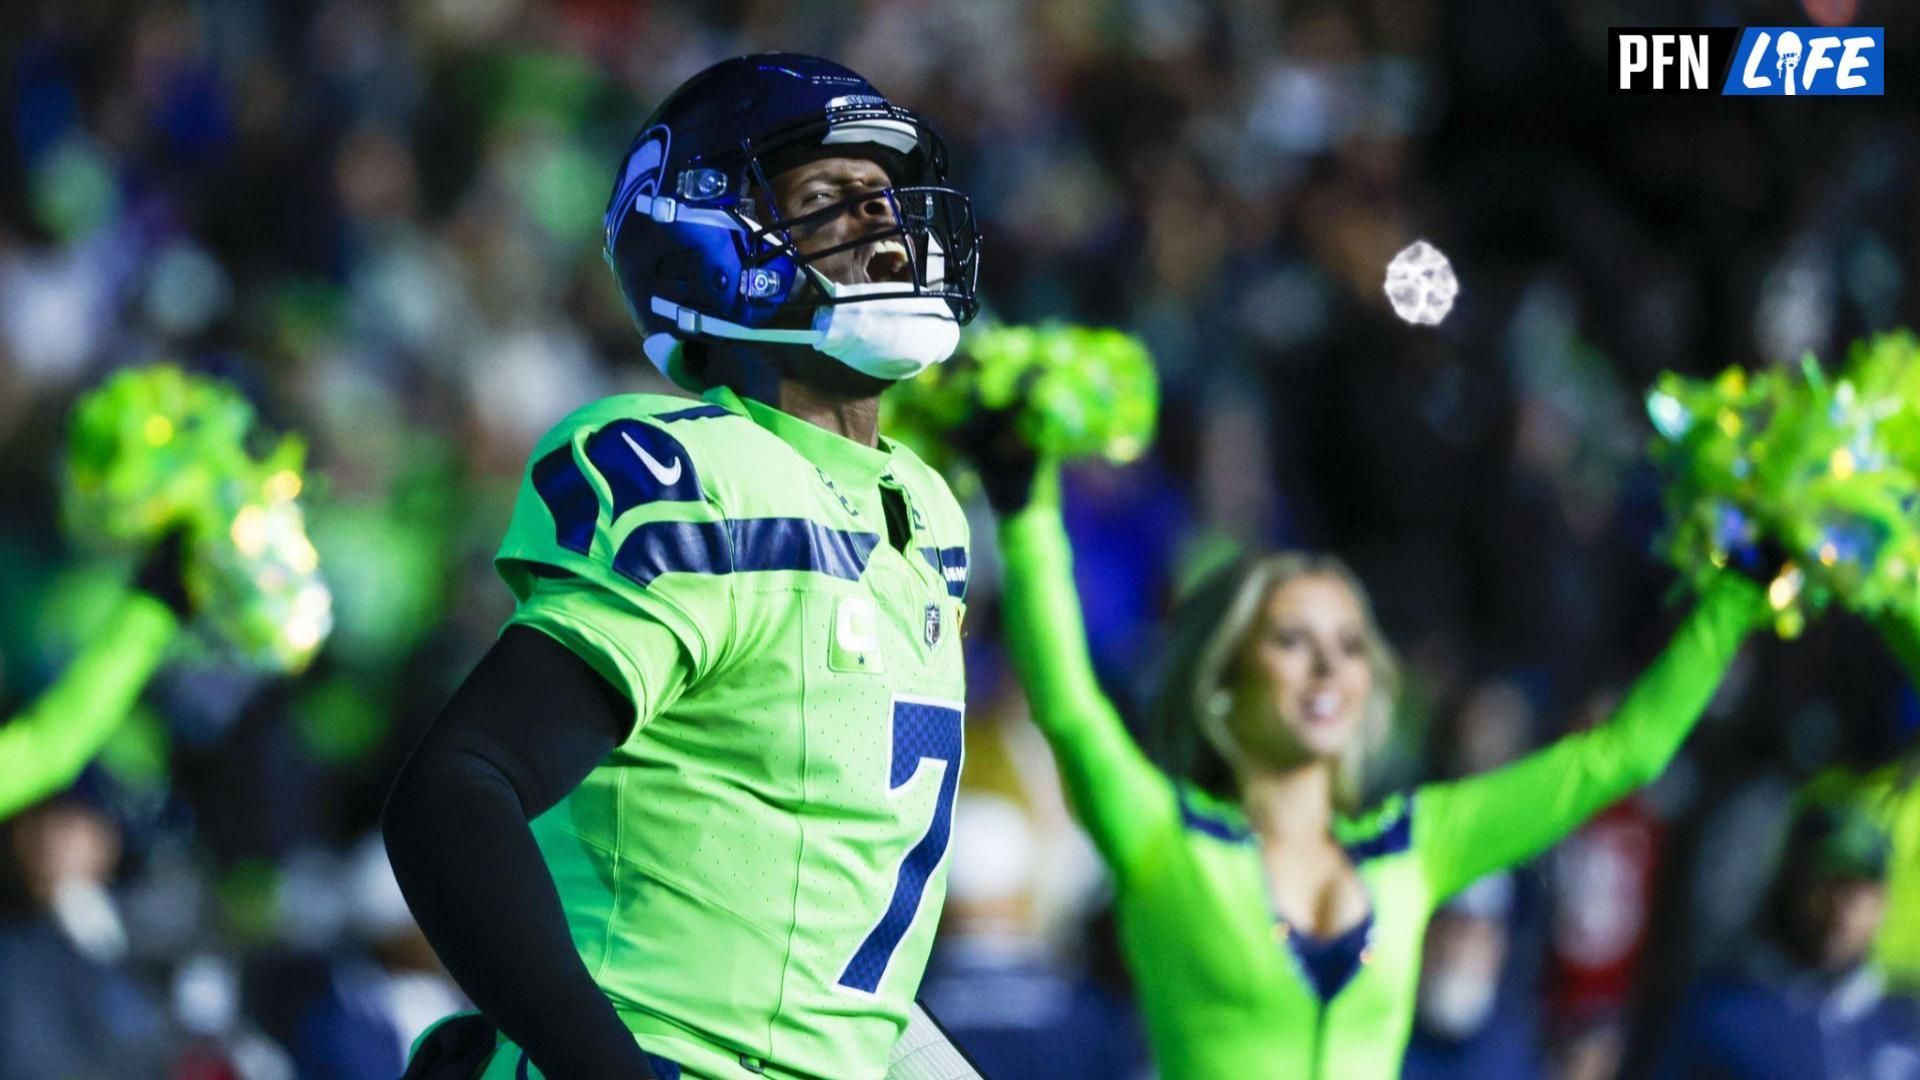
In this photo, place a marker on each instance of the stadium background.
(382, 222)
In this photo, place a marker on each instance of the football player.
(696, 798)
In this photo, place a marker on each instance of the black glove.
(160, 573)
(1006, 463)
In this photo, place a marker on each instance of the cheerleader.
(1273, 925)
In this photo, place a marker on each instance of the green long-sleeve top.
(45, 745)
(1225, 990)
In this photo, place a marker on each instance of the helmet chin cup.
(873, 328)
(876, 330)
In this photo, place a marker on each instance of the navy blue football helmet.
(683, 229)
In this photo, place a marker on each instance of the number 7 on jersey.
(922, 731)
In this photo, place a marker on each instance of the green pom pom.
(150, 450)
(1080, 392)
(154, 449)
(1826, 465)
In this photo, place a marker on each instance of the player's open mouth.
(887, 260)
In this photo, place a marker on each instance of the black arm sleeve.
(526, 727)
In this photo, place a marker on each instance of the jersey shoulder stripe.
(648, 486)
(637, 463)
(617, 451)
(698, 412)
(562, 486)
(743, 470)
(641, 464)
(951, 564)
(743, 545)
(604, 467)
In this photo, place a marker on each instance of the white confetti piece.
(1421, 285)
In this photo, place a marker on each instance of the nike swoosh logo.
(667, 475)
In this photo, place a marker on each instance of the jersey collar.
(845, 461)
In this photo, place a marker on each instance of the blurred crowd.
(381, 221)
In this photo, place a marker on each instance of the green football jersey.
(1228, 989)
(755, 875)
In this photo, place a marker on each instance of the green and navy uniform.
(1228, 991)
(754, 876)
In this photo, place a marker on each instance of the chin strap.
(692, 322)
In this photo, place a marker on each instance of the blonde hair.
(1210, 632)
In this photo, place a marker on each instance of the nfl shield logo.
(932, 625)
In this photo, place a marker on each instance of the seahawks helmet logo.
(642, 175)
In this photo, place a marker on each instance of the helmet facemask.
(933, 224)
